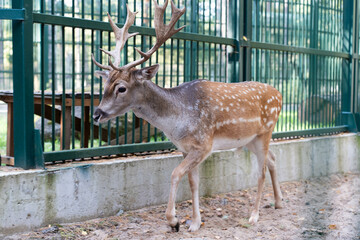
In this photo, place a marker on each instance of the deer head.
(122, 84)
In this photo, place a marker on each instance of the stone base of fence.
(35, 198)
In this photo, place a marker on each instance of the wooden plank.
(86, 126)
(65, 131)
(48, 112)
(10, 131)
(7, 160)
(87, 102)
(8, 97)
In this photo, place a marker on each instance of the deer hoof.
(254, 218)
(194, 226)
(278, 205)
(175, 228)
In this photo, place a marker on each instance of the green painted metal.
(106, 151)
(104, 26)
(12, 14)
(23, 87)
(349, 66)
(313, 69)
(347, 63)
(53, 82)
(293, 49)
(310, 132)
(233, 33)
(245, 34)
(355, 62)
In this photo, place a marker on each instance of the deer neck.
(158, 106)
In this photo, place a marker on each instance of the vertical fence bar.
(92, 81)
(22, 31)
(64, 124)
(194, 71)
(73, 81)
(348, 24)
(53, 85)
(355, 50)
(244, 34)
(357, 81)
(355, 69)
(83, 117)
(43, 68)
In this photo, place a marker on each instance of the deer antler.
(163, 33)
(121, 36)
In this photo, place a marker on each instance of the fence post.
(194, 72)
(245, 34)
(191, 51)
(349, 67)
(313, 66)
(24, 141)
(355, 108)
(233, 58)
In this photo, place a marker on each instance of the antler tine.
(99, 64)
(163, 32)
(176, 14)
(159, 17)
(112, 65)
(121, 35)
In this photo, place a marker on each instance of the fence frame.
(27, 140)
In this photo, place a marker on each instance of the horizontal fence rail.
(302, 48)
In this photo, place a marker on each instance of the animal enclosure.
(307, 49)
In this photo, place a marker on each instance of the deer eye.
(122, 89)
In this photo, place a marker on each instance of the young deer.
(198, 117)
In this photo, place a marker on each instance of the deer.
(198, 117)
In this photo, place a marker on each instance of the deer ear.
(147, 73)
(103, 74)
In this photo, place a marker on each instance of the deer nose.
(96, 117)
(98, 114)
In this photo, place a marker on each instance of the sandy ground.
(318, 208)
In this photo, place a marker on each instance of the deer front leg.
(192, 160)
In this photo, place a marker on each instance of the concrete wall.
(36, 198)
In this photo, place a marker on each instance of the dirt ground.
(318, 208)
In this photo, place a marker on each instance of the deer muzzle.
(99, 114)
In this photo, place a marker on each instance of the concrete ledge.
(35, 198)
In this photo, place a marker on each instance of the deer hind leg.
(275, 183)
(260, 147)
(193, 176)
(188, 165)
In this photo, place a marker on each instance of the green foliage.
(289, 121)
(48, 144)
(3, 131)
(159, 138)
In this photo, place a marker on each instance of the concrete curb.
(35, 198)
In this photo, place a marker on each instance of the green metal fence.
(309, 79)
(307, 49)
